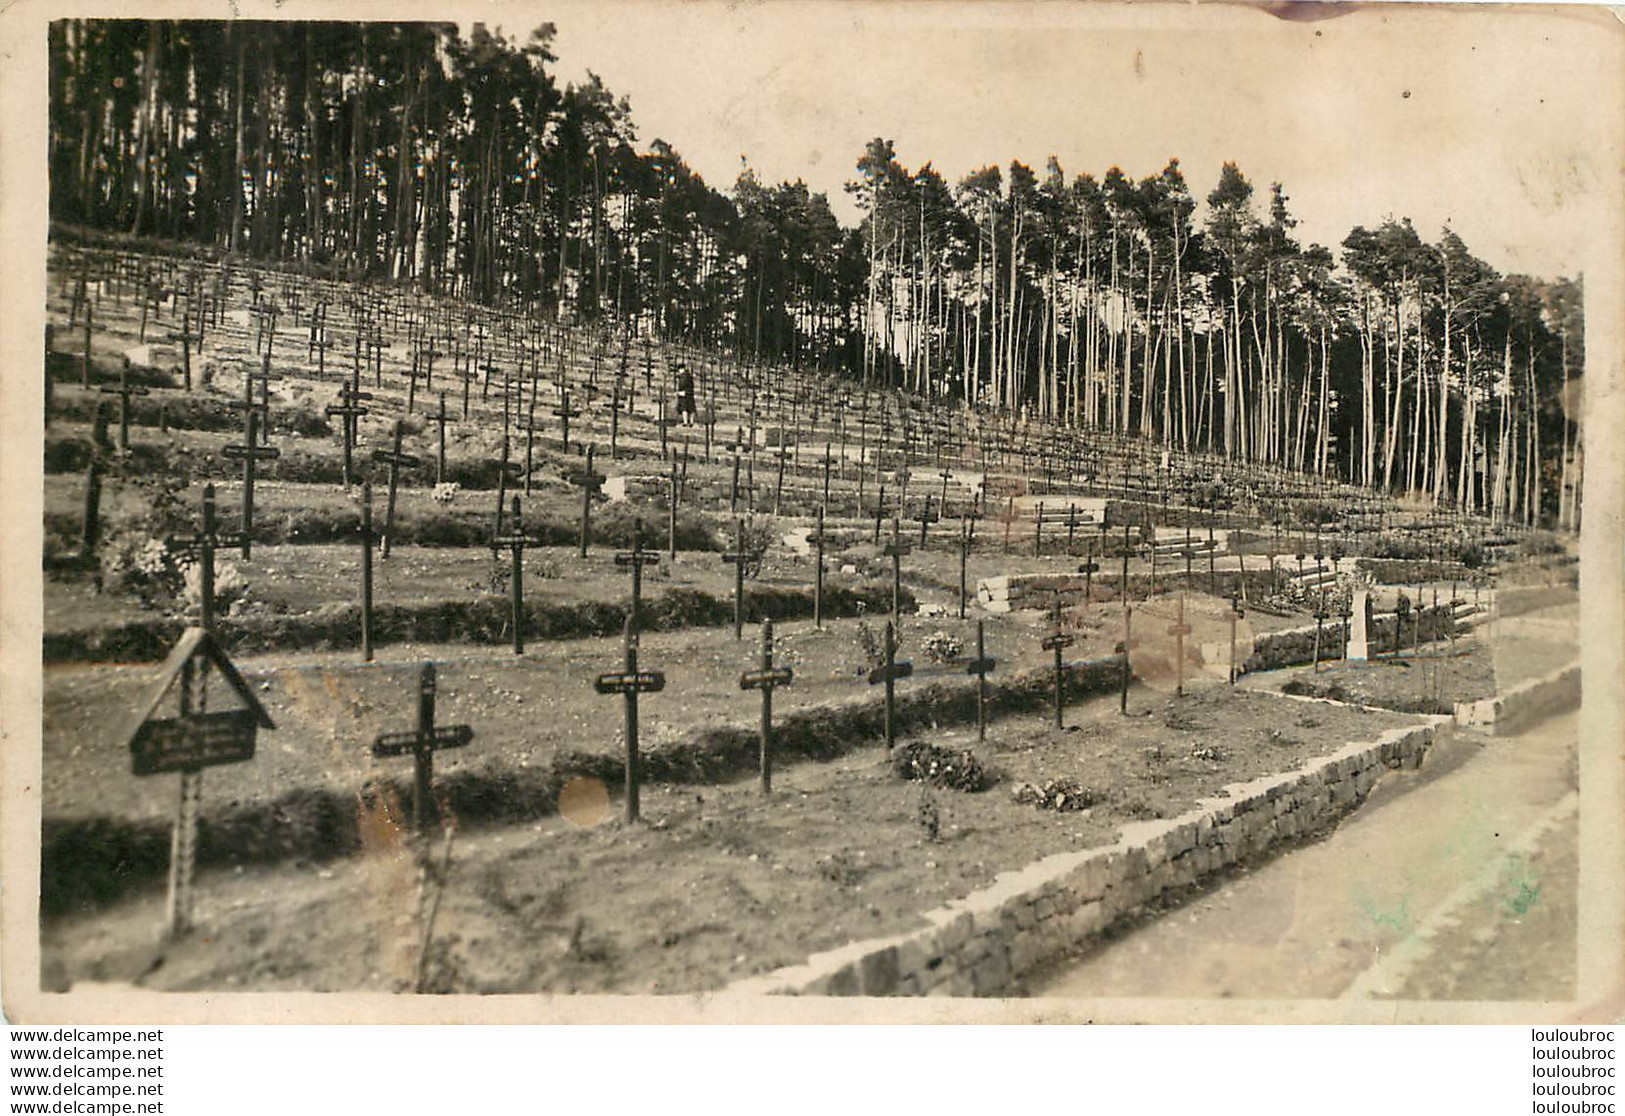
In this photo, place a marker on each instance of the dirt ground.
(718, 883)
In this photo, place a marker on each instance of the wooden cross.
(441, 418)
(517, 542)
(250, 454)
(1087, 568)
(889, 672)
(927, 517)
(422, 743)
(396, 460)
(321, 341)
(826, 461)
(967, 536)
(818, 572)
(1179, 630)
(590, 483)
(204, 544)
(765, 679)
(739, 557)
(981, 666)
(1236, 614)
(630, 682)
(637, 558)
(186, 337)
(507, 473)
(895, 551)
(565, 413)
(124, 390)
(1057, 641)
(366, 571)
(350, 410)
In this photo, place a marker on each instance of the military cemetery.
(736, 609)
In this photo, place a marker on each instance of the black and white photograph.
(1071, 509)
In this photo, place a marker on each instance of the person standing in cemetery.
(685, 394)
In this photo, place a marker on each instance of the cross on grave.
(204, 544)
(1320, 619)
(637, 558)
(826, 461)
(818, 572)
(967, 537)
(186, 337)
(84, 367)
(321, 341)
(422, 743)
(927, 517)
(739, 557)
(507, 473)
(630, 682)
(981, 666)
(517, 542)
(349, 410)
(440, 418)
(1236, 614)
(895, 551)
(1056, 641)
(889, 672)
(1087, 568)
(124, 391)
(564, 412)
(766, 678)
(673, 496)
(589, 482)
(197, 738)
(396, 460)
(1179, 630)
(250, 455)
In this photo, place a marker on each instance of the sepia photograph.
(742, 504)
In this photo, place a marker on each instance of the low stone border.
(1540, 697)
(985, 943)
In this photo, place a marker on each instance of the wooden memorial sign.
(890, 672)
(766, 679)
(421, 743)
(187, 743)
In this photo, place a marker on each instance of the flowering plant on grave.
(230, 586)
(445, 492)
(132, 561)
(942, 646)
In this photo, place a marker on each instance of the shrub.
(947, 768)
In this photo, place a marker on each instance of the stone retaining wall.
(1507, 713)
(988, 942)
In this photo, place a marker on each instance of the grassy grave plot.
(718, 883)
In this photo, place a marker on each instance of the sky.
(1479, 119)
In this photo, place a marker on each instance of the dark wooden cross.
(124, 391)
(927, 517)
(818, 571)
(637, 558)
(204, 544)
(250, 454)
(1179, 630)
(981, 666)
(186, 337)
(1236, 614)
(895, 551)
(765, 678)
(589, 482)
(889, 672)
(564, 412)
(516, 542)
(629, 682)
(507, 473)
(967, 537)
(740, 558)
(422, 743)
(826, 461)
(396, 460)
(1087, 568)
(1057, 641)
(366, 571)
(440, 418)
(349, 409)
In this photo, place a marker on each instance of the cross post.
(516, 541)
(637, 558)
(981, 666)
(629, 683)
(889, 672)
(895, 551)
(739, 557)
(765, 679)
(422, 743)
(1057, 641)
(396, 460)
(250, 455)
